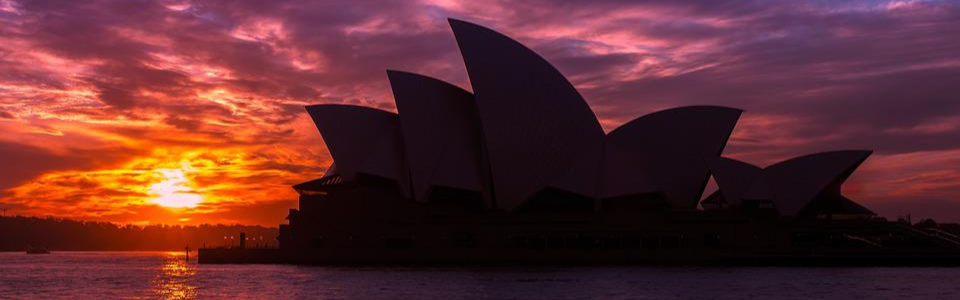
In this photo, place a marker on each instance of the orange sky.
(179, 112)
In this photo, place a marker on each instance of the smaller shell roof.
(623, 174)
(361, 140)
(734, 176)
(673, 144)
(792, 184)
(798, 180)
(441, 131)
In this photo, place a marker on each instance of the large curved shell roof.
(795, 182)
(441, 131)
(361, 140)
(539, 131)
(674, 144)
(734, 178)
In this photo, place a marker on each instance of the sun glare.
(174, 190)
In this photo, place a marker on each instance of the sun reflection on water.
(175, 280)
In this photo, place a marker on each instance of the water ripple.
(162, 275)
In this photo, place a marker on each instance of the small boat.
(37, 250)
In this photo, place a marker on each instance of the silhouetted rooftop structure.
(529, 132)
(522, 164)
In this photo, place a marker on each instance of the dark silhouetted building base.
(369, 223)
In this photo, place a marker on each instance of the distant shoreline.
(21, 232)
(192, 250)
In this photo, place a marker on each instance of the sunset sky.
(187, 112)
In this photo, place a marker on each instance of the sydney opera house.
(520, 171)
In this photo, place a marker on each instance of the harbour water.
(163, 275)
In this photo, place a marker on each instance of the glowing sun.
(174, 190)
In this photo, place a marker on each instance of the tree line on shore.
(17, 233)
